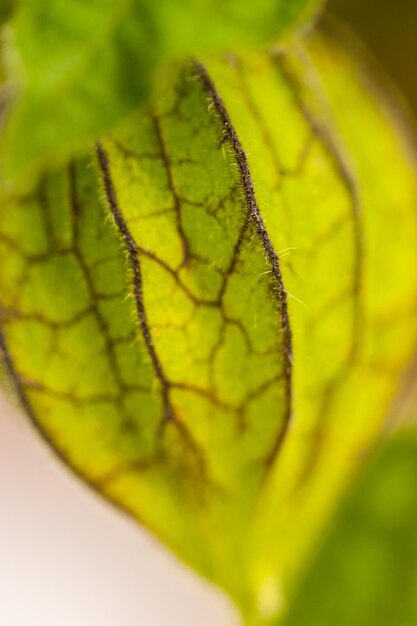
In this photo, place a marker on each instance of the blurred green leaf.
(366, 572)
(85, 65)
(6, 10)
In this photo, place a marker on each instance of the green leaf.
(320, 134)
(164, 418)
(6, 10)
(366, 572)
(216, 349)
(85, 65)
(100, 68)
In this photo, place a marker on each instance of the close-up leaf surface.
(352, 301)
(209, 318)
(212, 346)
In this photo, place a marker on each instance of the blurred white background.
(69, 559)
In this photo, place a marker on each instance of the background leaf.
(84, 65)
(6, 9)
(389, 30)
(366, 571)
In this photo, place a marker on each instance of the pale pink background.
(68, 559)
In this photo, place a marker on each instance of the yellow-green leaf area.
(320, 146)
(210, 322)
(212, 293)
(150, 339)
